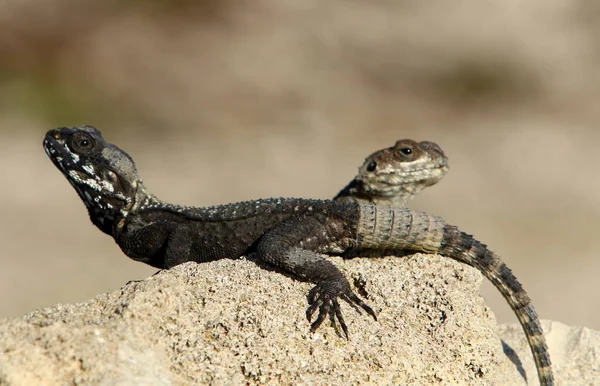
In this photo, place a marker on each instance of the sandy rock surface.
(233, 322)
(574, 350)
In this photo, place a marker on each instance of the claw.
(311, 310)
(340, 318)
(351, 303)
(324, 298)
(356, 301)
(314, 301)
(323, 311)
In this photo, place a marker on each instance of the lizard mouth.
(51, 150)
(58, 152)
(93, 190)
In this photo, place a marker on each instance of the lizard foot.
(324, 297)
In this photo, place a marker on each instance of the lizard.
(289, 233)
(393, 176)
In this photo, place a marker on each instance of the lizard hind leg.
(292, 247)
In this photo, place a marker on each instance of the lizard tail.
(463, 247)
(400, 228)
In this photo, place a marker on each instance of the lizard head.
(407, 167)
(104, 176)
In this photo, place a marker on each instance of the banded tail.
(382, 227)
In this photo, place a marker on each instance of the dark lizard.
(393, 176)
(289, 233)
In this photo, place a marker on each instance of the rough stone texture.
(232, 322)
(575, 352)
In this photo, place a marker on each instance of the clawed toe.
(314, 304)
(324, 297)
(356, 302)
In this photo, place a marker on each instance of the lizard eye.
(405, 151)
(82, 142)
(371, 166)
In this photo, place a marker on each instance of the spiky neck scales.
(104, 176)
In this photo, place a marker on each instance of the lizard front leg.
(159, 244)
(142, 241)
(292, 246)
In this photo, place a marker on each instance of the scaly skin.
(289, 233)
(393, 176)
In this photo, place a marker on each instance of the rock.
(233, 322)
(575, 352)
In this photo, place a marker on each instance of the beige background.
(234, 100)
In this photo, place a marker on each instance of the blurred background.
(221, 101)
